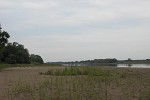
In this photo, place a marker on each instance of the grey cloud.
(87, 28)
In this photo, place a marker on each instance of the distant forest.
(15, 53)
(102, 62)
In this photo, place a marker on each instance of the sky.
(70, 30)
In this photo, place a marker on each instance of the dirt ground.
(9, 76)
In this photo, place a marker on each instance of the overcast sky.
(69, 30)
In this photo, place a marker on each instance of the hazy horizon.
(74, 30)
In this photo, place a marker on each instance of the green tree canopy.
(3, 41)
(3, 38)
(36, 59)
(16, 53)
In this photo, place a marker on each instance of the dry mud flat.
(133, 84)
(10, 76)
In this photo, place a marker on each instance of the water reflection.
(134, 65)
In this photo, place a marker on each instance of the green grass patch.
(2, 66)
(72, 71)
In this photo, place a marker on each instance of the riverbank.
(25, 83)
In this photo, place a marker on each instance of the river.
(134, 65)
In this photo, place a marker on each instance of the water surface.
(134, 65)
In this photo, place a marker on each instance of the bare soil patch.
(9, 77)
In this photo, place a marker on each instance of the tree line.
(102, 62)
(95, 62)
(15, 53)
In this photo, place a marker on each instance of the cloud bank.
(65, 30)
